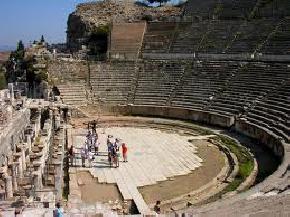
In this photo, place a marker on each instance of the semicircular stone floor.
(153, 156)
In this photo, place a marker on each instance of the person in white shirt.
(90, 158)
(83, 156)
(97, 145)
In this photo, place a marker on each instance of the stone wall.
(171, 112)
(66, 71)
(266, 137)
(13, 132)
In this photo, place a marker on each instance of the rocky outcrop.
(89, 16)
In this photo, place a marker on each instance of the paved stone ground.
(153, 156)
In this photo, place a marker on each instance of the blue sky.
(29, 19)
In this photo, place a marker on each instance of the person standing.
(90, 158)
(157, 208)
(71, 153)
(124, 152)
(83, 156)
(97, 144)
(89, 140)
(57, 212)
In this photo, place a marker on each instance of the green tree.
(2, 79)
(20, 46)
(42, 39)
(18, 54)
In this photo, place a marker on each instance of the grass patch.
(246, 161)
(246, 166)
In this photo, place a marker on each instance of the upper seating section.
(220, 36)
(158, 37)
(188, 37)
(222, 8)
(237, 9)
(224, 27)
(250, 35)
(273, 8)
(111, 83)
(280, 42)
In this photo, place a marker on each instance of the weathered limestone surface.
(13, 131)
(154, 156)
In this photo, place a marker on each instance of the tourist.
(83, 156)
(117, 144)
(114, 156)
(71, 153)
(157, 208)
(97, 144)
(90, 158)
(124, 152)
(87, 145)
(57, 212)
(109, 148)
(89, 140)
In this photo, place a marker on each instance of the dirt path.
(93, 192)
(212, 165)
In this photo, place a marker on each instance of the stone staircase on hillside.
(126, 40)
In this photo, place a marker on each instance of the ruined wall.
(171, 112)
(13, 132)
(65, 71)
(88, 16)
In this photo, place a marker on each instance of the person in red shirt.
(124, 152)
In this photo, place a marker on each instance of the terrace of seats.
(268, 205)
(275, 8)
(111, 83)
(74, 93)
(235, 9)
(250, 84)
(156, 82)
(204, 9)
(273, 112)
(201, 83)
(250, 35)
(188, 37)
(280, 42)
(218, 36)
(158, 37)
(229, 9)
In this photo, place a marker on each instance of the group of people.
(113, 148)
(90, 150)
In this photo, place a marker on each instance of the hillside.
(88, 16)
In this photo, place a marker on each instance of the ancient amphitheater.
(200, 94)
